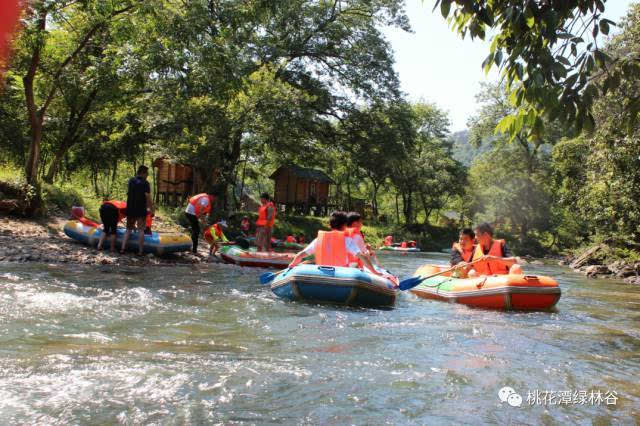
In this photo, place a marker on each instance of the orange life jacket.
(149, 221)
(352, 232)
(290, 239)
(121, 206)
(388, 240)
(466, 255)
(490, 267)
(195, 202)
(262, 215)
(403, 244)
(331, 249)
(216, 228)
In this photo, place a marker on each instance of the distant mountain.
(462, 149)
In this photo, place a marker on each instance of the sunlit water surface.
(209, 344)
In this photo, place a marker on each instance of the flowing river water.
(209, 344)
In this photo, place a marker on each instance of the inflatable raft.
(336, 285)
(400, 249)
(508, 292)
(279, 244)
(237, 256)
(156, 243)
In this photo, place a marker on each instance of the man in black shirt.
(138, 203)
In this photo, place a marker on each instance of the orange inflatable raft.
(508, 292)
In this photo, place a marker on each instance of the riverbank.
(600, 261)
(43, 240)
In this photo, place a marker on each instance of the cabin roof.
(303, 173)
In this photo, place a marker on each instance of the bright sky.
(435, 65)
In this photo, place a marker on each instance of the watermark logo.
(537, 397)
(508, 394)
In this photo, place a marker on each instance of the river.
(209, 344)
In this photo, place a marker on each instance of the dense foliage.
(239, 88)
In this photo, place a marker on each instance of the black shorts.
(109, 217)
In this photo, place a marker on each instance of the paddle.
(409, 283)
(267, 277)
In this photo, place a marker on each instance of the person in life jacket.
(148, 223)
(198, 208)
(354, 230)
(388, 240)
(462, 252)
(290, 239)
(265, 222)
(300, 239)
(332, 248)
(493, 255)
(245, 226)
(213, 234)
(111, 213)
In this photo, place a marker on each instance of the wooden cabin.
(174, 182)
(302, 190)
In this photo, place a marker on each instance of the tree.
(46, 61)
(511, 183)
(374, 138)
(550, 57)
(599, 175)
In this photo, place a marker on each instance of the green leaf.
(604, 27)
(445, 8)
(498, 58)
(486, 64)
(504, 125)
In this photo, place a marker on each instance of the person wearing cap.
(199, 206)
(213, 234)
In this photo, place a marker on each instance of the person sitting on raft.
(111, 212)
(290, 239)
(354, 230)
(300, 239)
(332, 248)
(213, 234)
(493, 255)
(388, 241)
(462, 251)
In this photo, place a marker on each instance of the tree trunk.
(374, 200)
(35, 116)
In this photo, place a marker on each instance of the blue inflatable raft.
(336, 285)
(155, 243)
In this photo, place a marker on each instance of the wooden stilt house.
(302, 190)
(174, 182)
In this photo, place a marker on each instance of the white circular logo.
(508, 394)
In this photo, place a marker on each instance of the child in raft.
(488, 256)
(213, 234)
(326, 249)
(462, 252)
(354, 230)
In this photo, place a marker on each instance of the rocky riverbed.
(44, 241)
(593, 263)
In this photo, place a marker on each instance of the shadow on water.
(208, 343)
